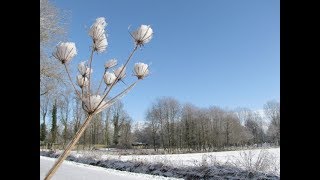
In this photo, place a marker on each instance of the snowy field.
(192, 159)
(238, 158)
(197, 159)
(214, 164)
(77, 171)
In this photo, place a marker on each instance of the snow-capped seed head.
(109, 78)
(82, 68)
(96, 31)
(82, 81)
(98, 35)
(88, 71)
(65, 51)
(123, 73)
(141, 70)
(142, 35)
(111, 63)
(97, 27)
(93, 103)
(100, 44)
(101, 21)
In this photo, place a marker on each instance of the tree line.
(171, 125)
(168, 125)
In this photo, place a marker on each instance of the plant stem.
(114, 99)
(66, 152)
(115, 81)
(72, 82)
(77, 136)
(90, 62)
(105, 70)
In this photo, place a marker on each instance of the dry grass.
(261, 162)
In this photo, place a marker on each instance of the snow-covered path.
(77, 171)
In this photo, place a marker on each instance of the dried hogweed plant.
(94, 103)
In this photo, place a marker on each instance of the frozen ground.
(258, 163)
(77, 171)
(197, 159)
(269, 158)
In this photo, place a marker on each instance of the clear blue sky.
(207, 52)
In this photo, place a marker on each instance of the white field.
(267, 160)
(238, 158)
(77, 171)
(193, 159)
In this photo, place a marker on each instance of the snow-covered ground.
(192, 165)
(197, 159)
(77, 171)
(271, 157)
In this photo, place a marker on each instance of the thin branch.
(71, 81)
(105, 89)
(105, 70)
(82, 102)
(90, 62)
(114, 82)
(114, 99)
(41, 94)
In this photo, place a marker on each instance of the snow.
(213, 158)
(260, 163)
(72, 170)
(193, 159)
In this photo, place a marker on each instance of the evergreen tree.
(43, 131)
(116, 129)
(54, 127)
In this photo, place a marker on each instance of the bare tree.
(203, 128)
(52, 22)
(216, 118)
(126, 134)
(156, 117)
(240, 135)
(171, 112)
(52, 75)
(52, 28)
(188, 119)
(163, 115)
(153, 126)
(243, 114)
(78, 116)
(96, 130)
(230, 122)
(272, 111)
(64, 107)
(118, 117)
(107, 127)
(237, 134)
(44, 104)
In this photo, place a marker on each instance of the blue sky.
(208, 52)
